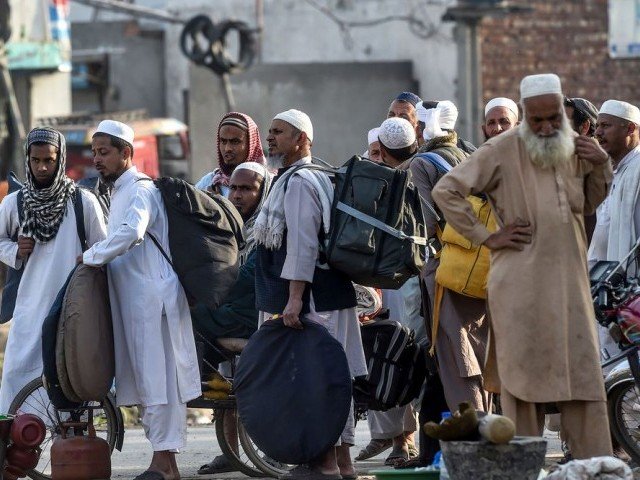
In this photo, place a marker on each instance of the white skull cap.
(541, 84)
(621, 109)
(116, 129)
(396, 133)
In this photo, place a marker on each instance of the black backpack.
(12, 282)
(205, 235)
(396, 364)
(378, 236)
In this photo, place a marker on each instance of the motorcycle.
(616, 300)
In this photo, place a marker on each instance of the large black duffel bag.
(205, 235)
(293, 390)
(377, 236)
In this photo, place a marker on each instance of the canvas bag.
(377, 236)
(464, 268)
(205, 235)
(85, 356)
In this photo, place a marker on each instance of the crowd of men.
(546, 167)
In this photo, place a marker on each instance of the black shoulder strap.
(78, 208)
(157, 243)
(20, 200)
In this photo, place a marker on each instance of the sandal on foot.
(220, 464)
(351, 476)
(397, 455)
(305, 473)
(413, 451)
(150, 475)
(374, 448)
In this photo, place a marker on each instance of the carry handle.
(88, 424)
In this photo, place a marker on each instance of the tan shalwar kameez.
(463, 333)
(541, 311)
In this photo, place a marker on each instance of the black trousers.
(431, 408)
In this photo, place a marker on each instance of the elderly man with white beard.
(540, 178)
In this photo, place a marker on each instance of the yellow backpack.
(464, 268)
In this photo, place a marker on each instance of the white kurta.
(46, 270)
(145, 291)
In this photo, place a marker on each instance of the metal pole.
(476, 100)
(228, 92)
(135, 10)
(260, 26)
(465, 80)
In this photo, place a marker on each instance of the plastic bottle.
(444, 475)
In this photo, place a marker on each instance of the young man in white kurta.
(45, 271)
(156, 362)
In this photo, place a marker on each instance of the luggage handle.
(89, 424)
(374, 222)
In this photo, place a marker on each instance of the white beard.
(548, 152)
(275, 162)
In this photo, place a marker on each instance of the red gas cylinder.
(13, 473)
(80, 457)
(27, 431)
(22, 458)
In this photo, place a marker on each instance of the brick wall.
(567, 37)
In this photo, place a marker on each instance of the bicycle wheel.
(227, 432)
(623, 403)
(267, 466)
(33, 399)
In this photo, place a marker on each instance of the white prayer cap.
(397, 133)
(501, 102)
(372, 136)
(116, 129)
(448, 115)
(421, 112)
(298, 119)
(542, 84)
(254, 167)
(621, 109)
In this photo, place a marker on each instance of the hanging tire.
(623, 403)
(33, 398)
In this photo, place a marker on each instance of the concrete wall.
(344, 100)
(295, 32)
(136, 68)
(42, 94)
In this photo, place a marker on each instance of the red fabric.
(222, 174)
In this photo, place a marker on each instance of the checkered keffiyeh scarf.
(45, 208)
(222, 174)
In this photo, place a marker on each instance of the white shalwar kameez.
(45, 272)
(303, 225)
(156, 362)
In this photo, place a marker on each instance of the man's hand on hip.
(513, 236)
